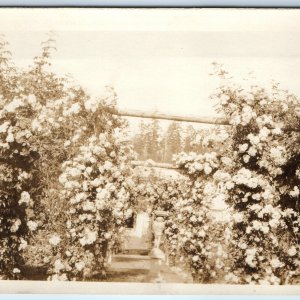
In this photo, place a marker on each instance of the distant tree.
(172, 141)
(189, 138)
(147, 141)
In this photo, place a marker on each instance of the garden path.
(135, 265)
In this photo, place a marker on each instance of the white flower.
(243, 148)
(231, 278)
(16, 270)
(277, 131)
(16, 225)
(74, 172)
(88, 238)
(243, 246)
(207, 169)
(54, 240)
(238, 217)
(80, 266)
(265, 229)
(195, 258)
(74, 109)
(23, 244)
(246, 158)
(25, 198)
(250, 256)
(295, 192)
(264, 133)
(224, 99)
(10, 138)
(193, 219)
(278, 155)
(254, 140)
(91, 105)
(252, 151)
(226, 161)
(276, 263)
(35, 125)
(4, 126)
(252, 182)
(209, 188)
(58, 266)
(13, 105)
(107, 165)
(274, 223)
(292, 251)
(32, 225)
(107, 235)
(31, 99)
(88, 206)
(62, 179)
(67, 143)
(218, 202)
(56, 277)
(96, 182)
(235, 120)
(229, 185)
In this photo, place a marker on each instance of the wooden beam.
(193, 119)
(152, 164)
(163, 116)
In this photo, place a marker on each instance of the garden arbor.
(257, 175)
(170, 117)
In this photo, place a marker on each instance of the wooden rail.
(163, 116)
(152, 164)
(182, 118)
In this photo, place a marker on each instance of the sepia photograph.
(149, 150)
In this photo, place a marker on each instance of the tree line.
(159, 144)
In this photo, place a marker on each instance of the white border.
(111, 288)
(153, 3)
(107, 288)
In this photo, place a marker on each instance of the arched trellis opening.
(287, 129)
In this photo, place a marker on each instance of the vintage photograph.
(153, 146)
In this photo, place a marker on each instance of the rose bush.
(256, 172)
(65, 163)
(265, 180)
(20, 176)
(203, 235)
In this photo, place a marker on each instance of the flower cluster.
(265, 185)
(64, 172)
(195, 229)
(19, 179)
(97, 185)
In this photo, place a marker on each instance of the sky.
(160, 60)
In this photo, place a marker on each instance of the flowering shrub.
(256, 172)
(19, 173)
(201, 237)
(97, 185)
(65, 163)
(93, 170)
(264, 189)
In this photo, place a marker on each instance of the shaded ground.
(139, 268)
(132, 265)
